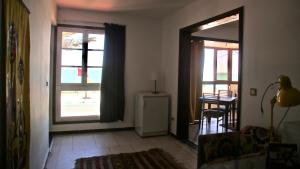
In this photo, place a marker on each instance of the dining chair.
(213, 109)
(226, 93)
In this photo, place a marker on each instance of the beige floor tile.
(105, 140)
(51, 162)
(121, 149)
(65, 164)
(67, 148)
(142, 146)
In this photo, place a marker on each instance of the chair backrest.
(225, 93)
(210, 98)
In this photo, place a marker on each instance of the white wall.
(271, 39)
(53, 13)
(40, 23)
(143, 53)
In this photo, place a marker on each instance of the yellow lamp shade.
(287, 96)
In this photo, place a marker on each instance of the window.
(78, 73)
(235, 65)
(221, 69)
(222, 64)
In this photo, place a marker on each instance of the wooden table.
(227, 101)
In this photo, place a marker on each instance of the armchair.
(219, 148)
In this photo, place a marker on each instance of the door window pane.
(71, 74)
(221, 87)
(71, 57)
(235, 65)
(95, 58)
(94, 75)
(208, 88)
(222, 65)
(80, 103)
(208, 67)
(72, 40)
(96, 41)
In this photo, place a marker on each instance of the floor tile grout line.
(130, 142)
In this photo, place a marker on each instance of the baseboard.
(187, 142)
(88, 131)
(173, 135)
(190, 144)
(51, 145)
(45, 158)
(149, 134)
(47, 154)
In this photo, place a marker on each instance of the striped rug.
(151, 159)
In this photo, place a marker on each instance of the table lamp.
(154, 77)
(286, 96)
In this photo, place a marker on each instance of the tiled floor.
(67, 148)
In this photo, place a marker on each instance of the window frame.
(229, 69)
(83, 86)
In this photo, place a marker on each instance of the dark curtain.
(196, 71)
(183, 103)
(112, 86)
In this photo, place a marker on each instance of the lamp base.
(155, 88)
(274, 138)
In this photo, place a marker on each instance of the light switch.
(253, 92)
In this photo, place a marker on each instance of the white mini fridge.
(151, 114)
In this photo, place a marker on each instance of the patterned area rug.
(151, 159)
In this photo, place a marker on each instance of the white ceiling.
(229, 31)
(156, 8)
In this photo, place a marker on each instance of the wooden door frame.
(182, 115)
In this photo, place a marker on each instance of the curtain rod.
(79, 22)
(89, 23)
(24, 5)
(79, 26)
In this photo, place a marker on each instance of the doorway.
(210, 61)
